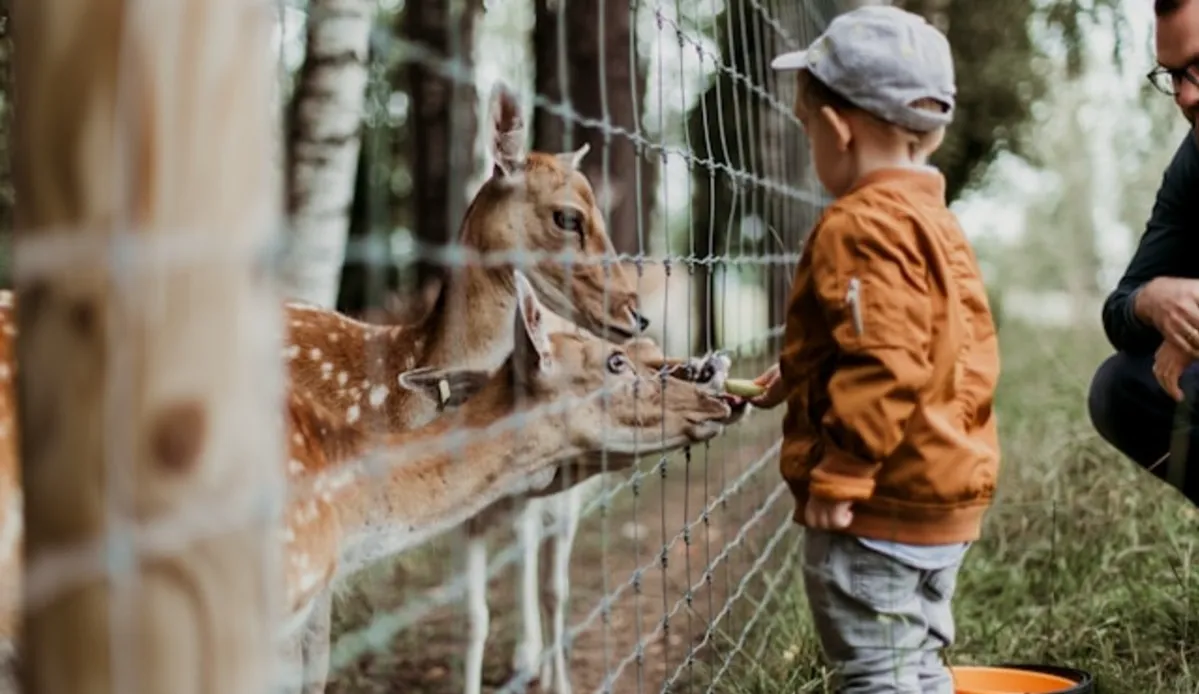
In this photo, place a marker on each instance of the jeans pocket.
(878, 581)
(938, 586)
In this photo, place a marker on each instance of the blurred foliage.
(1002, 73)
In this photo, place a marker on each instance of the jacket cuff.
(1130, 311)
(840, 476)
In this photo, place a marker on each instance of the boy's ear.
(838, 125)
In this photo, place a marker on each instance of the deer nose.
(642, 321)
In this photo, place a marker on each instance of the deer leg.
(315, 646)
(476, 605)
(564, 536)
(290, 671)
(531, 644)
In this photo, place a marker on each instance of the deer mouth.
(635, 325)
(737, 405)
(704, 430)
(715, 409)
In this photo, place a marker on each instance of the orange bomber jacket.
(890, 362)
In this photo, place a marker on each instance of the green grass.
(1085, 560)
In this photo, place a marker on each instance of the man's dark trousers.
(1132, 412)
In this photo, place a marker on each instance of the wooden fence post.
(150, 380)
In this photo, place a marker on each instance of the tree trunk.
(627, 195)
(741, 132)
(149, 383)
(443, 124)
(324, 129)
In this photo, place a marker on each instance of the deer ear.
(532, 338)
(447, 387)
(574, 159)
(507, 130)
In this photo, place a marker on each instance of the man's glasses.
(1168, 80)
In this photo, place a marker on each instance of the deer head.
(542, 203)
(617, 404)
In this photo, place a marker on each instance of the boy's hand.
(773, 384)
(827, 515)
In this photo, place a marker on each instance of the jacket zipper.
(853, 297)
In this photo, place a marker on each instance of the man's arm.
(1166, 249)
(884, 344)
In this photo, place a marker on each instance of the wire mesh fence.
(648, 578)
(687, 221)
(651, 558)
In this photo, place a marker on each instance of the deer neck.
(353, 368)
(471, 324)
(416, 496)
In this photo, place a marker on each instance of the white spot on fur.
(326, 370)
(353, 413)
(315, 353)
(297, 439)
(295, 467)
(292, 352)
(378, 395)
(309, 579)
(343, 378)
(334, 337)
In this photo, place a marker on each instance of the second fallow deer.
(560, 503)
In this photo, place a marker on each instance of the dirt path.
(653, 624)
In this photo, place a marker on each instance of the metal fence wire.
(662, 570)
(663, 573)
(671, 563)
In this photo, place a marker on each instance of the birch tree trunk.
(324, 139)
(149, 384)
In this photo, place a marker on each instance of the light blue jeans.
(881, 622)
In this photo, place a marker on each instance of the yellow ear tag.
(443, 389)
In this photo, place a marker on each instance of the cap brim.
(795, 60)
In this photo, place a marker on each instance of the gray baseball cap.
(882, 59)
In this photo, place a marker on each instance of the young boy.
(890, 358)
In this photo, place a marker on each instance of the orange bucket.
(999, 680)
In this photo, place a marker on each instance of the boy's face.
(828, 142)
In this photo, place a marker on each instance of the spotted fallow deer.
(356, 496)
(534, 202)
(560, 503)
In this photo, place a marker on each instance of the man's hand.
(1171, 304)
(1168, 365)
(773, 383)
(827, 515)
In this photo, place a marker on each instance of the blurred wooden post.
(150, 380)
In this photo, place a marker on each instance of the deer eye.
(569, 220)
(707, 373)
(617, 363)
